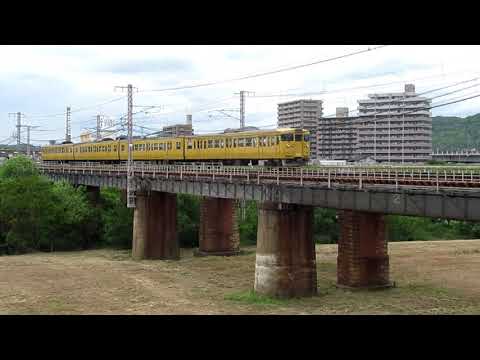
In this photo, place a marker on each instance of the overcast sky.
(40, 81)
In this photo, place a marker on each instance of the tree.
(117, 220)
(248, 226)
(37, 214)
(188, 219)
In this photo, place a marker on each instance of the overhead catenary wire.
(245, 77)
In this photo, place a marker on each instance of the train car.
(58, 153)
(157, 150)
(276, 147)
(104, 151)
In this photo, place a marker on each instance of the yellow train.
(276, 147)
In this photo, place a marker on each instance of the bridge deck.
(413, 177)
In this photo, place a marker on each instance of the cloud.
(148, 66)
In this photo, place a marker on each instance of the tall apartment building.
(337, 137)
(395, 127)
(304, 114)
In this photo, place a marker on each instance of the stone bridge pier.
(155, 226)
(218, 233)
(362, 260)
(285, 261)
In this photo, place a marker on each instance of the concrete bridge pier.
(285, 263)
(362, 260)
(155, 226)
(218, 233)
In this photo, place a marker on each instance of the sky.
(41, 81)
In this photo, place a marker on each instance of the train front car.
(268, 147)
(294, 146)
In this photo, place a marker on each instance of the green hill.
(455, 133)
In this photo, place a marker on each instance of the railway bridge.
(285, 258)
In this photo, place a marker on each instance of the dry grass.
(438, 277)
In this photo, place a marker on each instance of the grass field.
(435, 277)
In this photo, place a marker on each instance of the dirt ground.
(437, 277)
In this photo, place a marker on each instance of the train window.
(306, 137)
(254, 142)
(278, 139)
(114, 148)
(135, 147)
(217, 143)
(210, 144)
(222, 143)
(248, 142)
(241, 142)
(123, 147)
(178, 145)
(234, 143)
(169, 146)
(148, 147)
(189, 143)
(286, 137)
(298, 137)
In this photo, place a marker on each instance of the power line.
(77, 110)
(266, 73)
(362, 87)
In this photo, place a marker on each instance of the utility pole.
(18, 116)
(130, 163)
(242, 109)
(19, 125)
(68, 130)
(99, 126)
(29, 127)
(242, 94)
